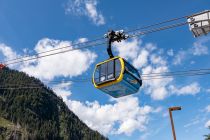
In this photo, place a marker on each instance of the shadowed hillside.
(36, 113)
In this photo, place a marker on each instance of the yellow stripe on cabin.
(119, 79)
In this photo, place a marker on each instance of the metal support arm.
(109, 49)
(113, 36)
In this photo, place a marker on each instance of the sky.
(30, 27)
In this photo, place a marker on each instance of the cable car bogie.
(199, 23)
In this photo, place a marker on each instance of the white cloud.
(145, 136)
(151, 133)
(199, 48)
(85, 8)
(128, 49)
(8, 53)
(208, 109)
(93, 14)
(194, 122)
(192, 62)
(157, 60)
(63, 90)
(149, 59)
(170, 52)
(156, 88)
(142, 59)
(120, 116)
(191, 89)
(207, 124)
(165, 114)
(67, 64)
(179, 57)
(123, 117)
(82, 40)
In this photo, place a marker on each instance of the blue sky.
(29, 27)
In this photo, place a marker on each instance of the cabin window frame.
(116, 72)
(103, 68)
(110, 70)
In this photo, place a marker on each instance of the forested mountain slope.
(37, 113)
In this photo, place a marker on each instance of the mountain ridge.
(37, 113)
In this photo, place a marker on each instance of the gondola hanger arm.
(113, 36)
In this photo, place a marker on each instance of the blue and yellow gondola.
(116, 77)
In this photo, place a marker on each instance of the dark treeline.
(207, 137)
(37, 113)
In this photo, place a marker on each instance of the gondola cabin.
(199, 23)
(116, 77)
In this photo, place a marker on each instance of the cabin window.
(117, 68)
(110, 70)
(107, 71)
(103, 69)
(96, 75)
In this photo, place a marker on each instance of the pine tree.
(39, 113)
(207, 137)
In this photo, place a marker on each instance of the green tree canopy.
(207, 137)
(37, 113)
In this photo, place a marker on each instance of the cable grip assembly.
(113, 36)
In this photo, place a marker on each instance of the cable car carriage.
(199, 23)
(116, 76)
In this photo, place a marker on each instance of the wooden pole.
(172, 124)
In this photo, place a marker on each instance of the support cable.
(98, 41)
(172, 75)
